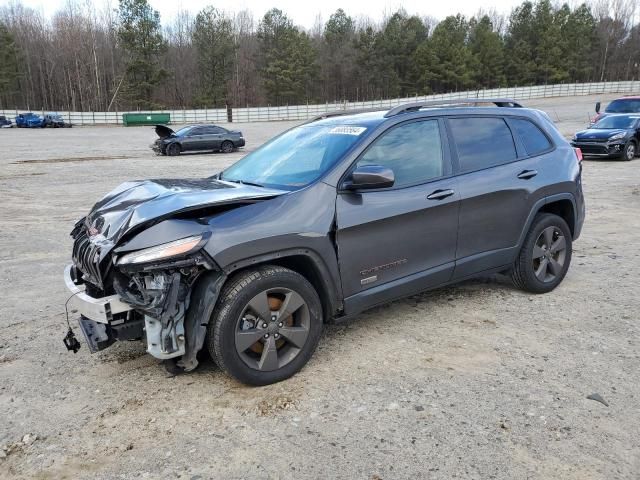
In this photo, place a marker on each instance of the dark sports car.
(196, 138)
(614, 136)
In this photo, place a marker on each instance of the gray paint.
(408, 242)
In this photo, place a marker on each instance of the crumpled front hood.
(133, 204)
(597, 133)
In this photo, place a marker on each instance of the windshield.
(624, 106)
(623, 121)
(296, 158)
(183, 131)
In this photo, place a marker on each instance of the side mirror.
(597, 107)
(368, 177)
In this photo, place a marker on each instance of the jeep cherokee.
(345, 212)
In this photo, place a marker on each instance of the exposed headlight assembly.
(162, 252)
(618, 136)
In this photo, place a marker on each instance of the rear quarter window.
(482, 142)
(535, 142)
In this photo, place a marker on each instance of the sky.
(305, 12)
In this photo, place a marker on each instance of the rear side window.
(482, 142)
(535, 142)
(412, 150)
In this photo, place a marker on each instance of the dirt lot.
(481, 381)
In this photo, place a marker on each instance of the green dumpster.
(132, 119)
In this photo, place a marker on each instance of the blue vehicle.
(613, 136)
(29, 120)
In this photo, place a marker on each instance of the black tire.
(230, 317)
(172, 150)
(538, 268)
(630, 151)
(226, 147)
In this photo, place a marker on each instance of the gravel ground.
(473, 381)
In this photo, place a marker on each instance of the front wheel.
(173, 149)
(545, 255)
(266, 325)
(629, 151)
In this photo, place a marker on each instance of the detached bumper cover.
(97, 309)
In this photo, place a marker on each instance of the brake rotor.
(275, 303)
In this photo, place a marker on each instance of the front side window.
(199, 131)
(297, 157)
(412, 150)
(482, 142)
(534, 141)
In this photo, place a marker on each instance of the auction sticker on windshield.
(347, 130)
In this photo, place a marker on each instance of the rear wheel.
(629, 151)
(173, 149)
(266, 325)
(545, 255)
(226, 147)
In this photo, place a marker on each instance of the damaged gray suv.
(345, 212)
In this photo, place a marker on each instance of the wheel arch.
(175, 142)
(307, 263)
(561, 204)
(565, 209)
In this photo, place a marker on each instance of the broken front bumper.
(165, 336)
(161, 316)
(97, 309)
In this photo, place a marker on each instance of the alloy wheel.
(272, 329)
(631, 151)
(549, 254)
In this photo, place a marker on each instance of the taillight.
(578, 154)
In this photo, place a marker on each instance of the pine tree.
(580, 36)
(288, 59)
(140, 36)
(214, 43)
(444, 61)
(487, 49)
(548, 43)
(396, 47)
(368, 63)
(9, 72)
(338, 55)
(519, 46)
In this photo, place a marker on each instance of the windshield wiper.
(243, 182)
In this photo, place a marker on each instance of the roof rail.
(414, 107)
(339, 113)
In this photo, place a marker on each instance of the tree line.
(125, 58)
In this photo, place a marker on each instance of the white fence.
(303, 112)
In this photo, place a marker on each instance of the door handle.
(440, 194)
(527, 174)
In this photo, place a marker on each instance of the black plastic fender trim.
(203, 300)
(329, 284)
